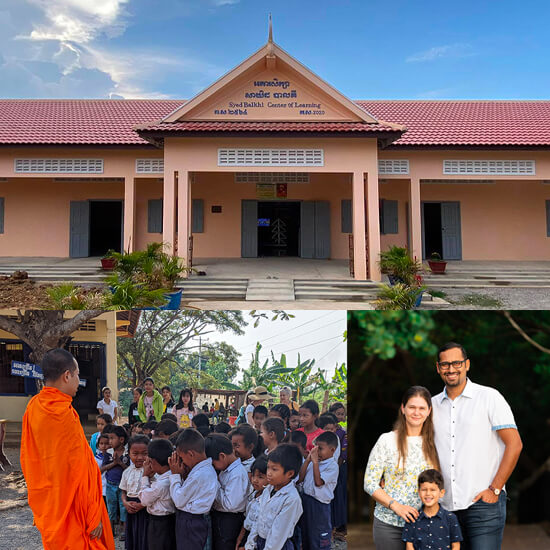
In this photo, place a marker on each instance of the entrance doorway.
(105, 226)
(441, 231)
(278, 228)
(95, 227)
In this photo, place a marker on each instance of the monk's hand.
(96, 533)
(487, 496)
(175, 463)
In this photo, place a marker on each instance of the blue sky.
(368, 50)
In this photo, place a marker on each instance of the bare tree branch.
(524, 334)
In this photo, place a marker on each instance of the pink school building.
(270, 160)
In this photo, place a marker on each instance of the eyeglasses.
(446, 365)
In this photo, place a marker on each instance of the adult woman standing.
(397, 459)
(133, 414)
(107, 405)
(167, 399)
(285, 396)
(150, 405)
(184, 409)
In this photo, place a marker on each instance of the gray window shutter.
(390, 223)
(154, 216)
(197, 216)
(79, 229)
(347, 226)
(548, 218)
(307, 229)
(249, 228)
(322, 229)
(1, 214)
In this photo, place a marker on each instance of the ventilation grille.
(149, 166)
(104, 180)
(393, 166)
(444, 182)
(270, 157)
(88, 326)
(59, 166)
(494, 167)
(271, 177)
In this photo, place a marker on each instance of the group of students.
(272, 485)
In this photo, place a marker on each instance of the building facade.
(270, 160)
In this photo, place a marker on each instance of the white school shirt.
(328, 469)
(467, 441)
(131, 481)
(233, 490)
(252, 510)
(248, 463)
(156, 495)
(99, 460)
(108, 408)
(196, 494)
(277, 517)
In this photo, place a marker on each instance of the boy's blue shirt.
(437, 532)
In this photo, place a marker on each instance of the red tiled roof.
(467, 123)
(429, 123)
(244, 126)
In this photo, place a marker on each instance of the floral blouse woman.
(394, 465)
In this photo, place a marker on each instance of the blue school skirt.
(191, 531)
(260, 544)
(316, 525)
(136, 528)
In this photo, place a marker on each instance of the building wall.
(12, 408)
(222, 232)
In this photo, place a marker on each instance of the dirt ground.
(23, 293)
(17, 531)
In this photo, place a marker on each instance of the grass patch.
(479, 300)
(437, 293)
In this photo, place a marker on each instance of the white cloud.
(441, 93)
(225, 2)
(439, 52)
(62, 48)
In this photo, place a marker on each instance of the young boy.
(193, 488)
(155, 494)
(148, 427)
(272, 432)
(319, 475)
(130, 486)
(114, 465)
(258, 480)
(165, 428)
(300, 440)
(434, 524)
(259, 415)
(102, 447)
(228, 510)
(280, 504)
(294, 420)
(244, 440)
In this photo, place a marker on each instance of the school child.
(150, 404)
(193, 488)
(272, 432)
(434, 525)
(244, 440)
(280, 410)
(222, 428)
(328, 422)
(108, 405)
(300, 440)
(133, 414)
(309, 412)
(319, 475)
(102, 447)
(149, 427)
(169, 416)
(228, 511)
(114, 465)
(202, 424)
(294, 420)
(184, 409)
(339, 411)
(101, 421)
(280, 504)
(136, 429)
(165, 428)
(130, 486)
(258, 480)
(155, 494)
(258, 416)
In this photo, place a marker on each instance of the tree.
(43, 330)
(163, 337)
(262, 375)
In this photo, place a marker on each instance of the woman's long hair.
(180, 404)
(427, 433)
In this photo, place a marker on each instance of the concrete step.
(270, 290)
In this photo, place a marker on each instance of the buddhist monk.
(63, 479)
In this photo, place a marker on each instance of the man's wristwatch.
(496, 491)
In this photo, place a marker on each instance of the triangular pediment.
(270, 86)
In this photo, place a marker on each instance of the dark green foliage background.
(390, 351)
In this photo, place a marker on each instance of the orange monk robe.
(63, 479)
